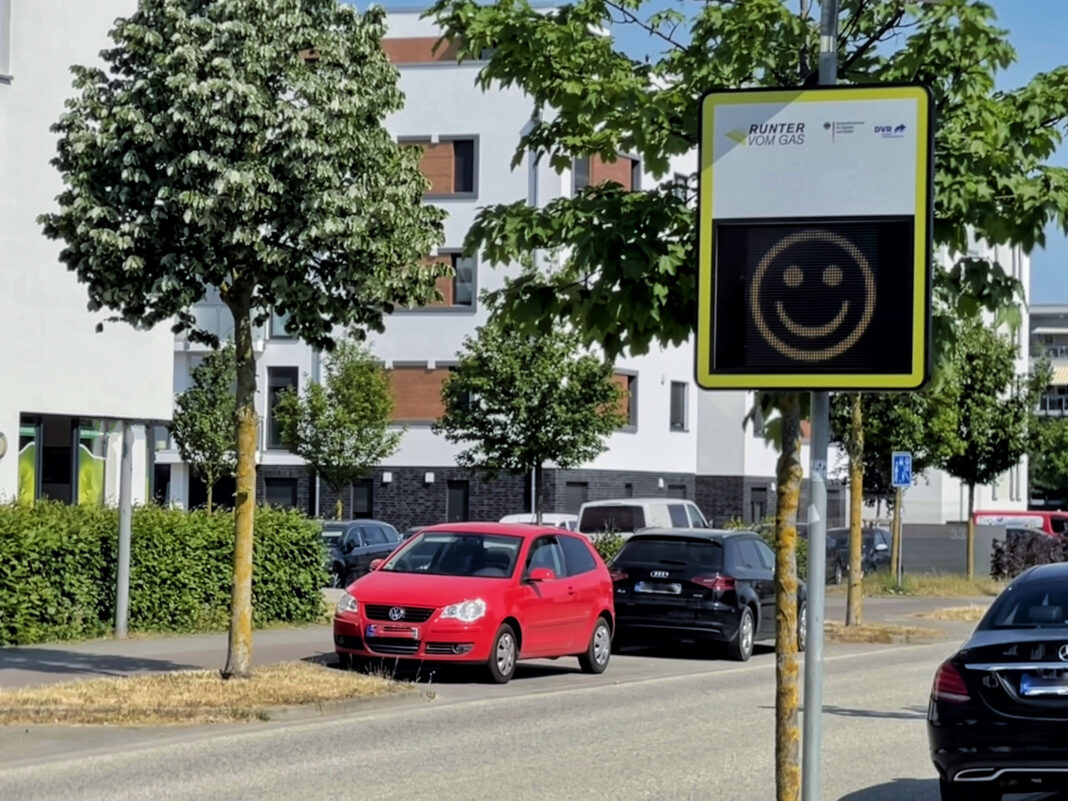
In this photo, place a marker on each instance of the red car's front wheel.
(504, 653)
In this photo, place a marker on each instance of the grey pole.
(812, 739)
(122, 592)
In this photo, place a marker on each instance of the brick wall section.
(618, 171)
(417, 50)
(305, 483)
(417, 393)
(720, 497)
(609, 484)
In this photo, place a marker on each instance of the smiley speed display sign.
(815, 239)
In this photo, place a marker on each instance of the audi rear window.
(707, 555)
(611, 518)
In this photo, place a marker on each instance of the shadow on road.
(699, 652)
(58, 661)
(912, 712)
(927, 790)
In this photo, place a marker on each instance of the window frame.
(579, 543)
(6, 40)
(455, 255)
(271, 424)
(682, 426)
(432, 139)
(289, 481)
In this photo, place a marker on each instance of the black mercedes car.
(998, 713)
(697, 585)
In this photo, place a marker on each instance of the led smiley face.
(812, 296)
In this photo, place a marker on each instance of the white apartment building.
(1049, 341)
(469, 138)
(64, 387)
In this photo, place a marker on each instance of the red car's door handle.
(570, 590)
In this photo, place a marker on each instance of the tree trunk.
(856, 514)
(339, 508)
(239, 658)
(537, 494)
(895, 536)
(971, 531)
(788, 475)
(211, 489)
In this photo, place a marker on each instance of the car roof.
(513, 529)
(362, 521)
(690, 533)
(1057, 570)
(635, 501)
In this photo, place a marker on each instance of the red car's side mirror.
(541, 574)
(376, 563)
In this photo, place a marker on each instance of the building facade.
(65, 387)
(1049, 343)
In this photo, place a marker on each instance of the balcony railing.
(1055, 404)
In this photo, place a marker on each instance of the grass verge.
(926, 585)
(876, 633)
(962, 614)
(195, 696)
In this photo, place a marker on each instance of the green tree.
(239, 145)
(519, 401)
(203, 421)
(341, 426)
(994, 410)
(1049, 456)
(627, 276)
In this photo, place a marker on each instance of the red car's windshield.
(445, 553)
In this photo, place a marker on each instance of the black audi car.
(998, 715)
(697, 585)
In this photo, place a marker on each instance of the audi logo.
(658, 573)
(396, 613)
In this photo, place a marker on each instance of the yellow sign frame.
(920, 324)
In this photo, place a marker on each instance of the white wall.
(50, 358)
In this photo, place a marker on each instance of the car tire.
(802, 626)
(740, 648)
(344, 661)
(948, 791)
(839, 573)
(504, 653)
(599, 651)
(336, 574)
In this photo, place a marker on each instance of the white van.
(627, 515)
(547, 519)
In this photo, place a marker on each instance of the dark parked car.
(701, 585)
(874, 548)
(837, 559)
(999, 706)
(353, 544)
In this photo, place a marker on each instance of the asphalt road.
(653, 727)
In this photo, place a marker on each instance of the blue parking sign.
(901, 469)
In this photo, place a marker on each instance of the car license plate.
(408, 632)
(1032, 685)
(657, 589)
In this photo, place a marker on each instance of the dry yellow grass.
(926, 585)
(875, 633)
(963, 614)
(196, 696)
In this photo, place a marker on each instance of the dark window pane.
(463, 155)
(632, 400)
(361, 498)
(278, 380)
(576, 493)
(628, 490)
(546, 552)
(676, 490)
(678, 405)
(580, 168)
(748, 555)
(678, 515)
(578, 556)
(635, 175)
(374, 535)
(278, 326)
(463, 282)
(612, 518)
(456, 502)
(704, 555)
(767, 556)
(280, 492)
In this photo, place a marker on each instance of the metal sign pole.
(812, 739)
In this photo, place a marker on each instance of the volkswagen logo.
(658, 573)
(1063, 652)
(396, 613)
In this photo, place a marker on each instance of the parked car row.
(495, 593)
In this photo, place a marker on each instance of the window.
(277, 328)
(577, 555)
(758, 504)
(635, 174)
(463, 280)
(676, 490)
(361, 498)
(546, 552)
(705, 555)
(576, 493)
(628, 405)
(767, 556)
(456, 501)
(5, 41)
(352, 539)
(628, 490)
(696, 520)
(679, 518)
(280, 492)
(678, 405)
(450, 165)
(279, 379)
(748, 556)
(611, 518)
(680, 186)
(580, 173)
(374, 535)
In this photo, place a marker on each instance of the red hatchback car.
(482, 593)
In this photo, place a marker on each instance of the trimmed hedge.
(1022, 550)
(58, 570)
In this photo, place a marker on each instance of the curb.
(328, 709)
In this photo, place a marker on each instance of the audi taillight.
(716, 583)
(617, 575)
(949, 685)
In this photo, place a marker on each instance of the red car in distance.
(481, 593)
